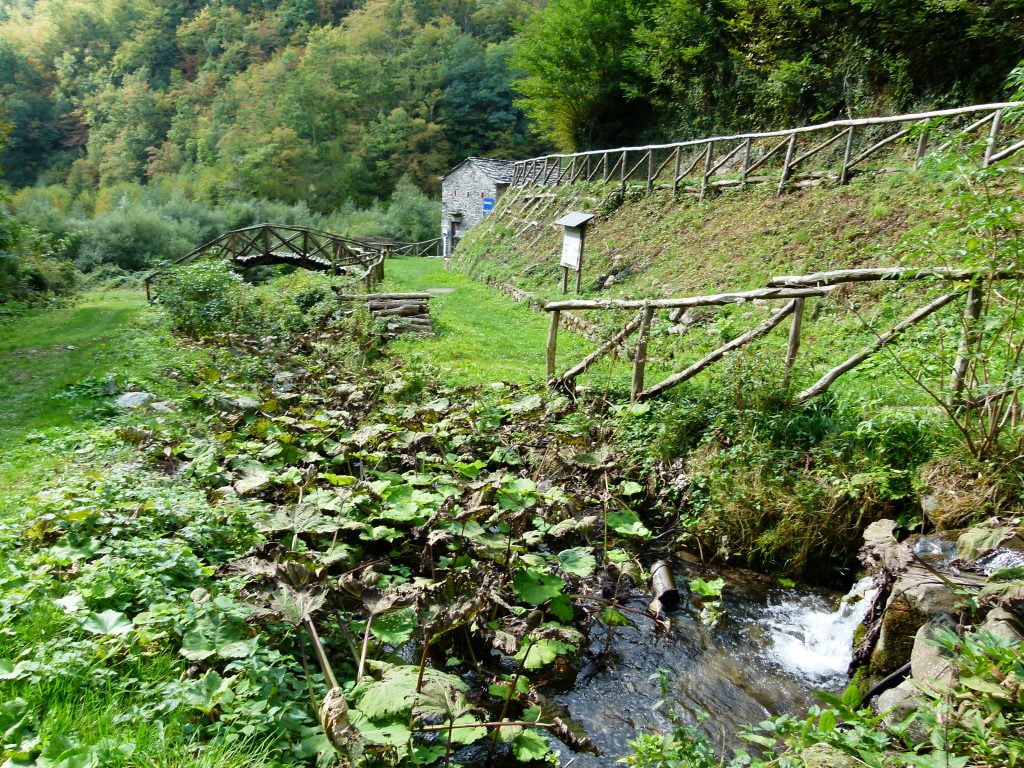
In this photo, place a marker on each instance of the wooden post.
(972, 311)
(565, 280)
(922, 146)
(794, 341)
(622, 173)
(650, 169)
(785, 164)
(675, 173)
(640, 358)
(604, 169)
(746, 161)
(707, 169)
(847, 153)
(993, 134)
(556, 316)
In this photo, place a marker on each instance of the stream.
(771, 649)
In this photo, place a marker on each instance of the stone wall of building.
(463, 192)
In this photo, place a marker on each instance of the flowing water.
(771, 649)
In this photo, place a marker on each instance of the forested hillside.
(131, 131)
(322, 101)
(328, 101)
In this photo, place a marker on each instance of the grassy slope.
(39, 367)
(738, 240)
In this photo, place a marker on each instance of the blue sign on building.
(488, 205)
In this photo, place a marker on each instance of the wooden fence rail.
(841, 147)
(794, 288)
(427, 248)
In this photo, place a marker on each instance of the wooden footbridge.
(269, 244)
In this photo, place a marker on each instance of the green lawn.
(45, 357)
(482, 334)
(43, 353)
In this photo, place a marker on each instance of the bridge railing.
(264, 244)
(837, 149)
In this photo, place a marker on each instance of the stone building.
(469, 191)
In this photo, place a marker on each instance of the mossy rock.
(826, 756)
(916, 597)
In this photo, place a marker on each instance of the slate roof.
(498, 170)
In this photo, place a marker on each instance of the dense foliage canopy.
(324, 101)
(604, 72)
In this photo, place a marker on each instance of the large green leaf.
(214, 635)
(625, 522)
(395, 692)
(396, 627)
(579, 561)
(542, 651)
(536, 587)
(530, 746)
(107, 623)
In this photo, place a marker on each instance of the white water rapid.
(810, 640)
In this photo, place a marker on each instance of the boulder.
(930, 665)
(917, 595)
(827, 756)
(898, 702)
(1005, 624)
(135, 399)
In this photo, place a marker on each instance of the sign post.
(575, 225)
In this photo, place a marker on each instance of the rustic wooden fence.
(428, 248)
(265, 244)
(795, 290)
(838, 150)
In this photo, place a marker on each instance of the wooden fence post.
(650, 170)
(675, 173)
(922, 147)
(794, 341)
(785, 164)
(993, 134)
(707, 169)
(640, 358)
(847, 153)
(556, 316)
(746, 162)
(622, 173)
(972, 312)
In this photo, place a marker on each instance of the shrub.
(31, 264)
(133, 238)
(201, 298)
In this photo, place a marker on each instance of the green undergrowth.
(80, 684)
(199, 576)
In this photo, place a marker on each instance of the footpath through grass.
(48, 357)
(482, 334)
